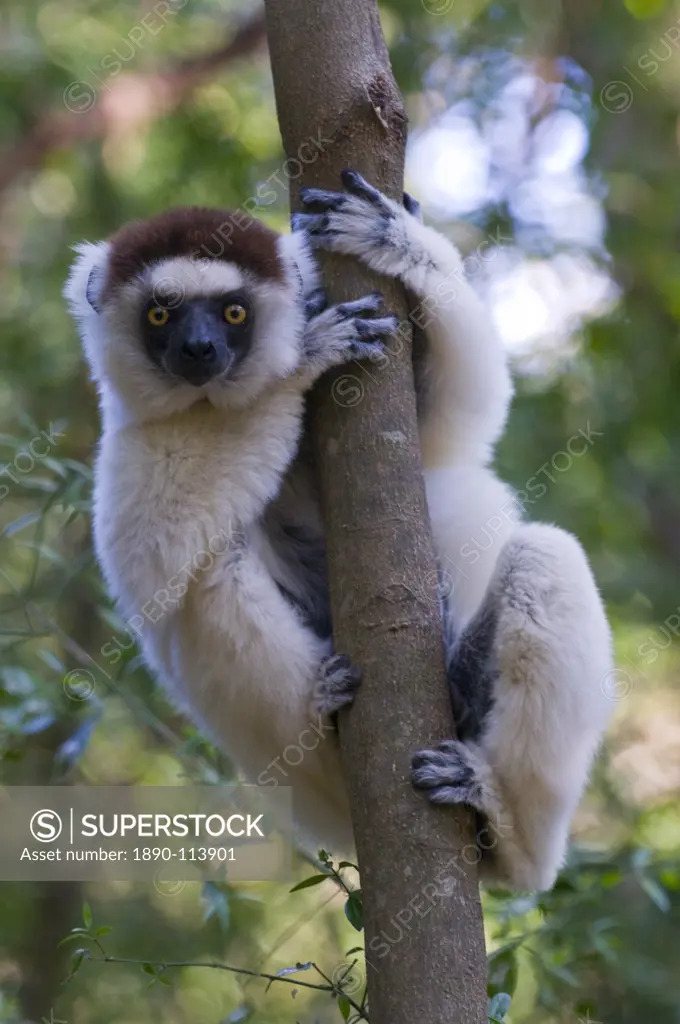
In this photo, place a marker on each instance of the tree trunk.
(338, 106)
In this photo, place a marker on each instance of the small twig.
(340, 880)
(166, 965)
(214, 965)
(339, 991)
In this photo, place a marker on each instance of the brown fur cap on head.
(194, 231)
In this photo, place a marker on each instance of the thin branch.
(337, 990)
(213, 964)
(165, 965)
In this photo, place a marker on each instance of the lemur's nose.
(199, 350)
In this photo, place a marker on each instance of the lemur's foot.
(338, 334)
(448, 774)
(336, 686)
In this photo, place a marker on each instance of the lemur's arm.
(468, 385)
(528, 642)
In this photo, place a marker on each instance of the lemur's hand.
(361, 222)
(337, 334)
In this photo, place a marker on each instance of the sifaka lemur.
(203, 342)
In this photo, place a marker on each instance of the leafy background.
(550, 130)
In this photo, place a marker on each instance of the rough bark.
(424, 938)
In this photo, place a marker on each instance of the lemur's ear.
(94, 286)
(86, 280)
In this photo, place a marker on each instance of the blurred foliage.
(102, 121)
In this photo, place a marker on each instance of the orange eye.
(235, 314)
(157, 316)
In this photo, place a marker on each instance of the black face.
(198, 339)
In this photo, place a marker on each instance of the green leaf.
(344, 1007)
(293, 970)
(55, 466)
(72, 938)
(73, 514)
(13, 755)
(149, 969)
(289, 970)
(9, 441)
(216, 905)
(17, 681)
(52, 661)
(241, 1013)
(656, 893)
(77, 958)
(670, 878)
(354, 910)
(78, 467)
(21, 523)
(502, 977)
(309, 882)
(603, 947)
(561, 972)
(87, 916)
(347, 864)
(499, 1006)
(104, 930)
(640, 858)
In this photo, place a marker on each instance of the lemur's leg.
(468, 386)
(531, 668)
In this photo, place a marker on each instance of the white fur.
(182, 472)
(552, 644)
(551, 705)
(180, 466)
(296, 252)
